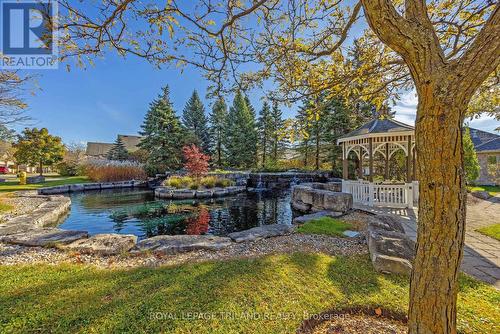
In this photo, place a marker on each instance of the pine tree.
(218, 119)
(163, 136)
(265, 131)
(278, 143)
(471, 163)
(118, 151)
(196, 122)
(241, 134)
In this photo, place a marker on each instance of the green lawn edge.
(270, 294)
(50, 181)
(492, 231)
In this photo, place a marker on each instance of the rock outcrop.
(171, 244)
(391, 251)
(314, 197)
(47, 236)
(104, 244)
(261, 232)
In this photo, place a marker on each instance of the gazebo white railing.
(404, 195)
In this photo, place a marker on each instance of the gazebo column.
(414, 164)
(386, 161)
(408, 161)
(360, 166)
(370, 157)
(345, 170)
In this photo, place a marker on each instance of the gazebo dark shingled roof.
(380, 126)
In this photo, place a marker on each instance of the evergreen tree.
(218, 119)
(278, 143)
(118, 151)
(241, 134)
(163, 136)
(196, 122)
(471, 163)
(265, 131)
(304, 129)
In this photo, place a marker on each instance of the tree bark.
(441, 223)
(40, 166)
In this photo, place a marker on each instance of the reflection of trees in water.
(109, 199)
(198, 225)
(218, 216)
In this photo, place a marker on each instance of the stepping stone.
(350, 234)
(104, 244)
(261, 232)
(44, 237)
(171, 244)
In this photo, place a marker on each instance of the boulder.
(183, 194)
(219, 192)
(204, 193)
(164, 192)
(261, 232)
(301, 206)
(317, 197)
(325, 213)
(391, 252)
(335, 201)
(171, 244)
(44, 237)
(386, 223)
(481, 194)
(104, 244)
(391, 264)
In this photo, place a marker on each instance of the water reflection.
(129, 211)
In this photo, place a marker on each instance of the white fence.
(403, 195)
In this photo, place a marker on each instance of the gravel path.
(13, 254)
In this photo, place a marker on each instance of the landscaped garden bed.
(177, 187)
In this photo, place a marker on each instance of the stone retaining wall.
(173, 193)
(284, 180)
(91, 186)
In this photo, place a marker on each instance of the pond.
(138, 212)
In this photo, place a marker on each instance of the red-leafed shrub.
(196, 162)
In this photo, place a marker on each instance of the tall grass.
(102, 170)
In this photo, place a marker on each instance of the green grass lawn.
(324, 225)
(493, 190)
(50, 181)
(491, 231)
(266, 295)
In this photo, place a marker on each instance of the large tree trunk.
(441, 222)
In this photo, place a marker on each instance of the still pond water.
(138, 212)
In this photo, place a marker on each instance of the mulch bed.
(355, 321)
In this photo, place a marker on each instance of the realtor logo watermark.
(28, 34)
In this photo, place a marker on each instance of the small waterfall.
(260, 184)
(294, 181)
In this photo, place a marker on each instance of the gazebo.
(384, 137)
